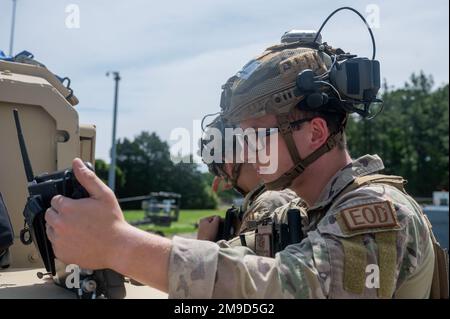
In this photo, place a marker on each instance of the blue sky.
(174, 56)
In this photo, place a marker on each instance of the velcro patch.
(263, 240)
(367, 216)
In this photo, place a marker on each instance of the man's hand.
(208, 228)
(86, 231)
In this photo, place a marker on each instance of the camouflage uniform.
(335, 260)
(261, 203)
(258, 205)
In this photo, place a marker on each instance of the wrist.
(139, 255)
(118, 246)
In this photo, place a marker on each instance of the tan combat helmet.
(303, 73)
(52, 133)
(268, 85)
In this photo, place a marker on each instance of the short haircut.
(333, 115)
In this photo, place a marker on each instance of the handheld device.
(42, 188)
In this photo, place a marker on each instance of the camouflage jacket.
(261, 203)
(371, 242)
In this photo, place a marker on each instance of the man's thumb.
(87, 178)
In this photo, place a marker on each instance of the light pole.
(112, 166)
(13, 23)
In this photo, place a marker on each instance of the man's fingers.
(61, 204)
(215, 220)
(51, 217)
(87, 178)
(207, 219)
(50, 233)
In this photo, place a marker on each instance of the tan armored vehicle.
(53, 137)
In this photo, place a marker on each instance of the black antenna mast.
(23, 148)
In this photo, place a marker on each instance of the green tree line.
(410, 135)
(144, 165)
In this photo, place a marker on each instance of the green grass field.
(185, 224)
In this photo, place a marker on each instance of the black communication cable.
(362, 18)
(205, 117)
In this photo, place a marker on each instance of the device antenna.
(23, 148)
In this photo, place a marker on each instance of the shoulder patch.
(369, 216)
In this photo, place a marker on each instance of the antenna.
(23, 148)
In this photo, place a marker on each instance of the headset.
(354, 81)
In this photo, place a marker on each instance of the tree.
(411, 134)
(147, 166)
(102, 171)
(186, 179)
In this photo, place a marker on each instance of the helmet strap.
(235, 176)
(286, 131)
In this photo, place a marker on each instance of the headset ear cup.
(316, 100)
(305, 81)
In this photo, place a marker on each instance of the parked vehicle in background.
(438, 215)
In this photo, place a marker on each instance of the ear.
(319, 132)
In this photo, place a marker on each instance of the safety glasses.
(257, 139)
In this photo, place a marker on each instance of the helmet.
(302, 68)
(270, 83)
(267, 84)
(214, 145)
(310, 76)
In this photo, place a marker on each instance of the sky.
(173, 56)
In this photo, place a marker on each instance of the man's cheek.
(268, 164)
(275, 161)
(301, 142)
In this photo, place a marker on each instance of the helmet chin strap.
(235, 176)
(233, 179)
(286, 131)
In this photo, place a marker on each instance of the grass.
(185, 224)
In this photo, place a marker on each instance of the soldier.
(364, 236)
(258, 202)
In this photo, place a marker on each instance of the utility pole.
(13, 23)
(112, 166)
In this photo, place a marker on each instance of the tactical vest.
(266, 239)
(234, 216)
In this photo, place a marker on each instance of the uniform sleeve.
(375, 260)
(331, 262)
(200, 269)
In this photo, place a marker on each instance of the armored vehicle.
(54, 136)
